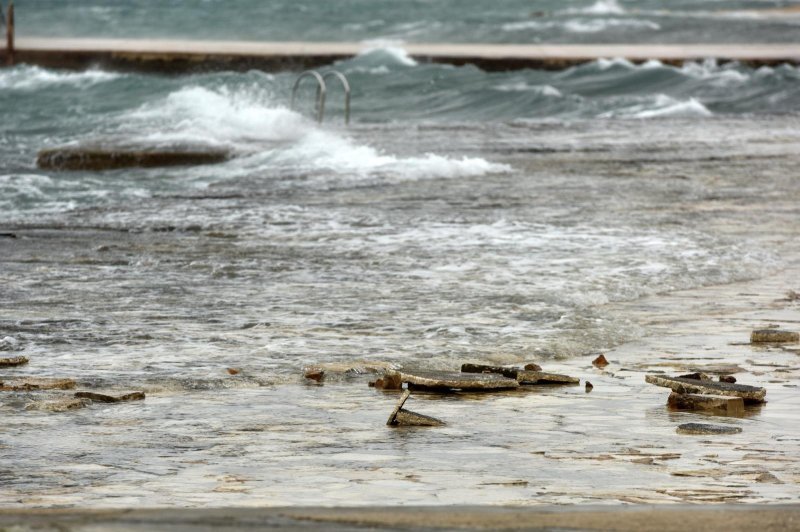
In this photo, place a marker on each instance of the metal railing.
(322, 92)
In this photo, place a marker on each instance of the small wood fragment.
(234, 371)
(750, 394)
(13, 361)
(775, 336)
(600, 362)
(731, 406)
(705, 429)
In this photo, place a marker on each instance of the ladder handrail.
(346, 87)
(321, 91)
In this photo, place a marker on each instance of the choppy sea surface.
(514, 21)
(463, 216)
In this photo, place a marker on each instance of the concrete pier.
(175, 56)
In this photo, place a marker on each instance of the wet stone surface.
(752, 394)
(774, 336)
(699, 429)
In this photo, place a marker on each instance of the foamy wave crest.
(661, 106)
(32, 78)
(601, 7)
(717, 75)
(222, 116)
(544, 90)
(268, 136)
(378, 53)
(595, 25)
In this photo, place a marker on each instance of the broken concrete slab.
(750, 394)
(705, 429)
(104, 398)
(27, 384)
(505, 371)
(452, 380)
(13, 361)
(402, 417)
(773, 336)
(520, 375)
(720, 404)
(111, 158)
(542, 377)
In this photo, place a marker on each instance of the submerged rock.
(33, 383)
(589, 387)
(13, 361)
(732, 406)
(775, 336)
(59, 405)
(315, 374)
(103, 398)
(750, 394)
(704, 429)
(99, 158)
(402, 417)
(451, 380)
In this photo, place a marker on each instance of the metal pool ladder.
(322, 91)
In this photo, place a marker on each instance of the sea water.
(463, 216)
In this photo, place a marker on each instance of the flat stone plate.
(456, 380)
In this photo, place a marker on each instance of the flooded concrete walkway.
(181, 55)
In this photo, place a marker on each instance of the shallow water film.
(647, 213)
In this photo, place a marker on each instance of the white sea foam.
(272, 137)
(600, 7)
(544, 90)
(387, 52)
(661, 105)
(32, 78)
(717, 75)
(582, 25)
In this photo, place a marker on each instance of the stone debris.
(750, 394)
(730, 379)
(103, 158)
(315, 374)
(103, 398)
(452, 380)
(28, 384)
(520, 375)
(589, 387)
(600, 362)
(697, 376)
(59, 405)
(505, 371)
(704, 429)
(532, 367)
(731, 406)
(775, 336)
(401, 417)
(541, 377)
(13, 361)
(234, 371)
(390, 381)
